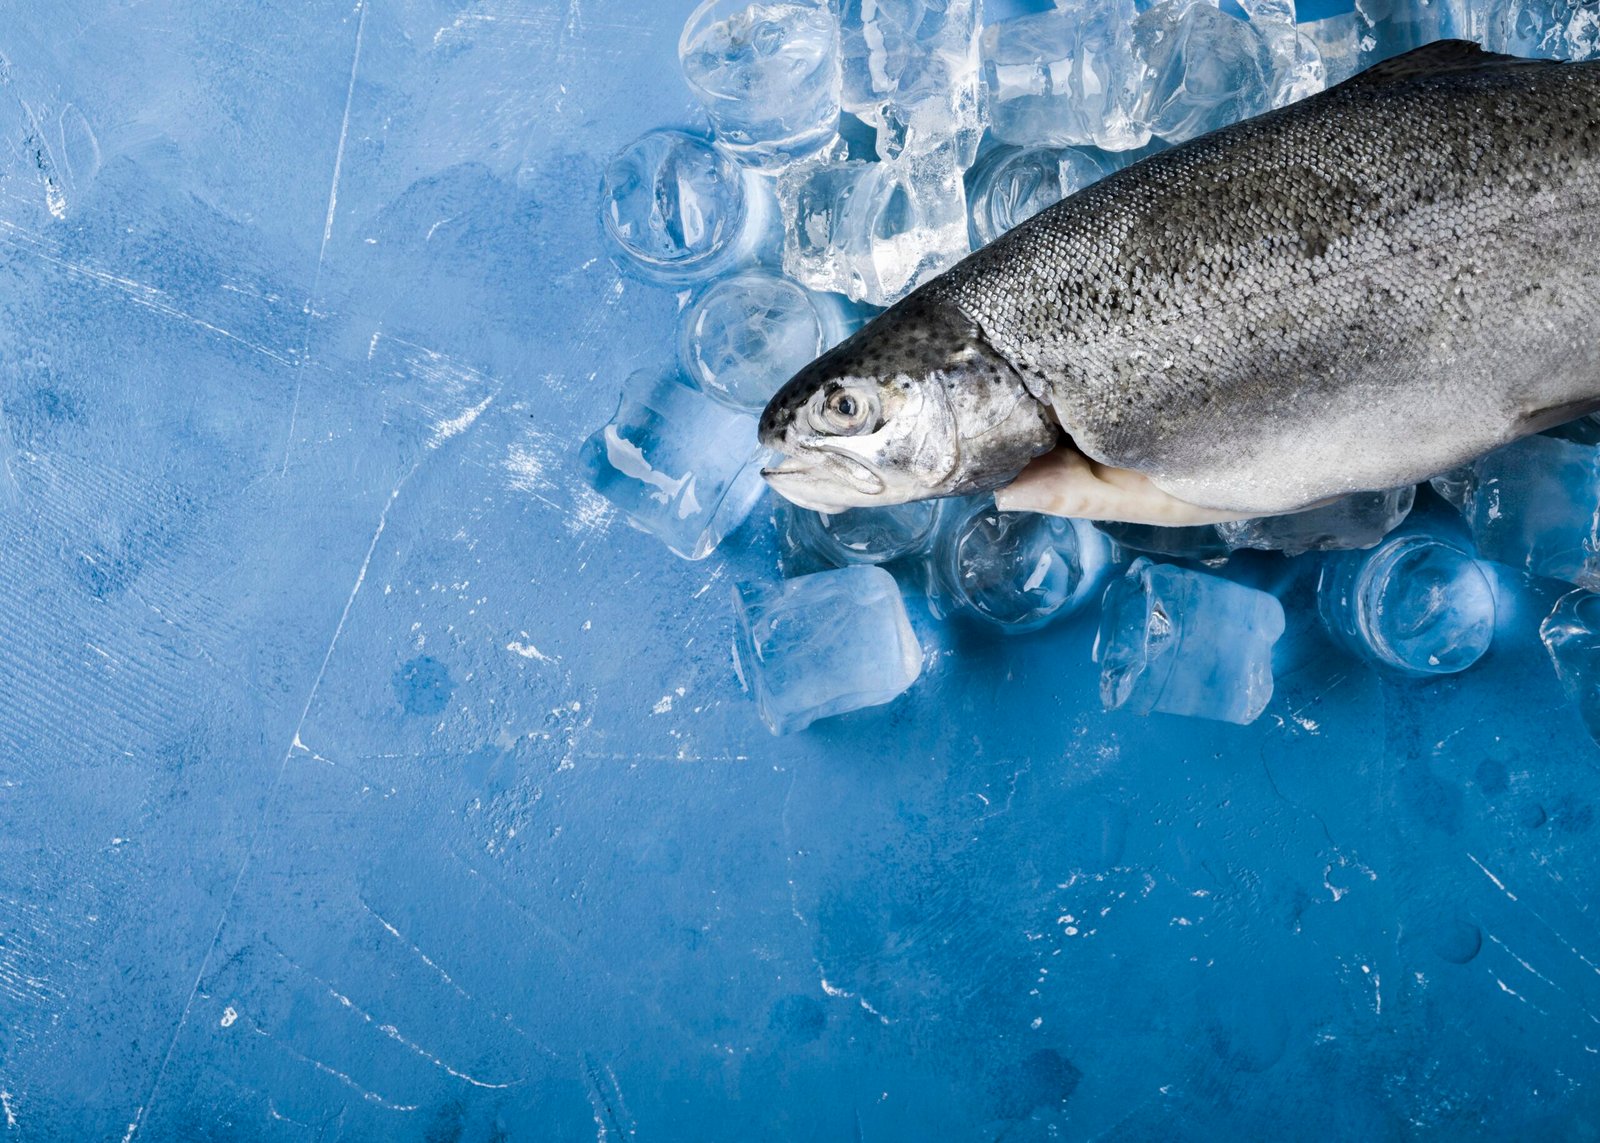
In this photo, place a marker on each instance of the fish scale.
(1355, 292)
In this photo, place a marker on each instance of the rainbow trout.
(1355, 292)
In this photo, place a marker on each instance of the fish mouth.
(828, 483)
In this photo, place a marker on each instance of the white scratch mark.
(1498, 884)
(228, 1016)
(454, 426)
(5, 1102)
(327, 233)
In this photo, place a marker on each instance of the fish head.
(913, 406)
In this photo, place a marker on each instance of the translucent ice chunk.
(745, 335)
(1571, 634)
(911, 71)
(767, 75)
(1183, 642)
(824, 644)
(859, 535)
(1416, 603)
(1297, 65)
(1206, 69)
(1356, 521)
(1551, 29)
(677, 464)
(1199, 542)
(1016, 570)
(1343, 43)
(679, 209)
(1012, 184)
(874, 231)
(1532, 505)
(1067, 77)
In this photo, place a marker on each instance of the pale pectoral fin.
(1067, 483)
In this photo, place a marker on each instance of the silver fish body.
(1355, 292)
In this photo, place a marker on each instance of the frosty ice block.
(1571, 634)
(1183, 642)
(1065, 77)
(767, 75)
(676, 464)
(1532, 505)
(1015, 570)
(1418, 604)
(874, 231)
(680, 210)
(745, 335)
(823, 644)
(911, 71)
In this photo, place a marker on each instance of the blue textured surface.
(364, 778)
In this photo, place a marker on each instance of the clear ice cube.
(1298, 70)
(1571, 633)
(1012, 184)
(767, 76)
(1419, 604)
(823, 644)
(874, 231)
(1356, 521)
(1015, 570)
(679, 210)
(858, 535)
(1066, 77)
(1532, 505)
(676, 464)
(1550, 29)
(1183, 642)
(1344, 44)
(911, 71)
(745, 335)
(1206, 69)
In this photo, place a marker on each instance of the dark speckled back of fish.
(1355, 292)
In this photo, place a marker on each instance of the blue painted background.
(363, 778)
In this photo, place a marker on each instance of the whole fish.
(1355, 292)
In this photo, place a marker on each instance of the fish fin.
(1065, 482)
(1548, 418)
(1436, 58)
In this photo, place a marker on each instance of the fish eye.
(846, 412)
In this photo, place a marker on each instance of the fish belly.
(1357, 292)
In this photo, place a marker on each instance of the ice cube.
(1356, 521)
(747, 334)
(767, 75)
(1199, 542)
(676, 464)
(857, 535)
(680, 210)
(911, 71)
(824, 644)
(1417, 603)
(1012, 184)
(1550, 29)
(1183, 642)
(1343, 43)
(1206, 69)
(1571, 634)
(1066, 77)
(1532, 505)
(874, 231)
(1015, 570)
(1298, 70)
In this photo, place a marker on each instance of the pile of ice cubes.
(857, 148)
